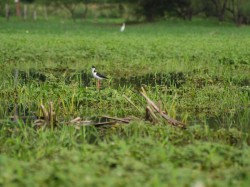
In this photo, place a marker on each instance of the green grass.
(134, 155)
(198, 70)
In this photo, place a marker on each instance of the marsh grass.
(199, 72)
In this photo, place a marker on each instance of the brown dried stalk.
(170, 120)
(150, 115)
(124, 120)
(48, 115)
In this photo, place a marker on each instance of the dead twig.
(124, 120)
(78, 122)
(75, 120)
(170, 120)
(150, 115)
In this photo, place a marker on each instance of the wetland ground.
(198, 70)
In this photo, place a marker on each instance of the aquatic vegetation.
(195, 73)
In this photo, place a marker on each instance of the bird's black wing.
(102, 76)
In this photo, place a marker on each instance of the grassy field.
(199, 71)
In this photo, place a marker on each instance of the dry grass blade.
(160, 107)
(51, 115)
(45, 113)
(48, 115)
(131, 102)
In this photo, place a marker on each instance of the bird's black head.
(93, 66)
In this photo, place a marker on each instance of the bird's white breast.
(95, 75)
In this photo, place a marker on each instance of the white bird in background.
(122, 27)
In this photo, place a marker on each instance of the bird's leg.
(98, 84)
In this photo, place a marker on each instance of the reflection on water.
(85, 78)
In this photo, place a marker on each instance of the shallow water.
(85, 79)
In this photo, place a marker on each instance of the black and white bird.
(98, 76)
(122, 27)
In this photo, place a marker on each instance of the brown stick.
(117, 119)
(151, 114)
(163, 114)
(75, 120)
(99, 123)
